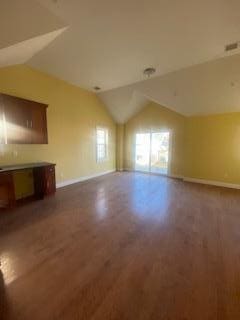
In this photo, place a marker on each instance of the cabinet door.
(39, 123)
(2, 132)
(7, 192)
(17, 120)
(50, 181)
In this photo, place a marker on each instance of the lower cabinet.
(7, 193)
(43, 179)
(50, 181)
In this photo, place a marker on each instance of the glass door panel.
(142, 152)
(159, 152)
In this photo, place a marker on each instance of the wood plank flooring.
(123, 246)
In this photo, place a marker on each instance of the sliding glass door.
(159, 152)
(142, 152)
(152, 152)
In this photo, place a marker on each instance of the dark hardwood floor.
(123, 246)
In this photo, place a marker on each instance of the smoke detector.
(149, 71)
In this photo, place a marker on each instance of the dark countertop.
(17, 167)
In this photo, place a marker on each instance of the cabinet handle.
(29, 124)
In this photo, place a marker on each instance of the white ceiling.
(108, 44)
(23, 20)
(26, 28)
(123, 102)
(208, 88)
(23, 51)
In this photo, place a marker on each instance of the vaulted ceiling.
(25, 29)
(109, 43)
(208, 88)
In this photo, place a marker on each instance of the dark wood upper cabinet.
(23, 121)
(16, 117)
(39, 123)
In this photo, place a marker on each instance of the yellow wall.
(120, 146)
(206, 147)
(202, 147)
(156, 117)
(213, 148)
(73, 115)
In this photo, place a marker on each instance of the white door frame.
(150, 151)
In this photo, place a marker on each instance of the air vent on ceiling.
(232, 46)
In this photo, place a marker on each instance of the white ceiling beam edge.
(20, 53)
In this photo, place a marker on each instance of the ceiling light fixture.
(232, 46)
(149, 71)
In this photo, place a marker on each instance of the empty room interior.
(119, 160)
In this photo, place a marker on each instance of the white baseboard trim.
(174, 176)
(201, 181)
(187, 179)
(213, 183)
(84, 178)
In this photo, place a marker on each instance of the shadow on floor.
(27, 214)
(4, 315)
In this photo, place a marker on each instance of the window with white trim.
(102, 144)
